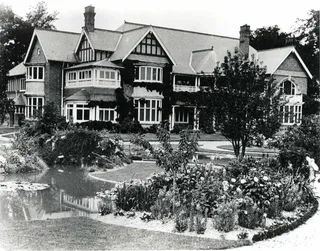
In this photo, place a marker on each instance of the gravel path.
(305, 237)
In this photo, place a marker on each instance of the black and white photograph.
(159, 125)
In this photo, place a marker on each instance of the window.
(148, 110)
(181, 115)
(149, 45)
(19, 109)
(148, 74)
(69, 112)
(22, 84)
(72, 76)
(18, 84)
(35, 73)
(85, 74)
(185, 80)
(82, 112)
(107, 114)
(109, 75)
(288, 88)
(34, 106)
(292, 114)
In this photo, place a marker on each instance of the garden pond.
(71, 193)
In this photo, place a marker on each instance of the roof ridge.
(135, 29)
(287, 46)
(59, 31)
(175, 29)
(115, 31)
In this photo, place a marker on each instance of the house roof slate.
(104, 40)
(58, 45)
(101, 63)
(20, 69)
(90, 94)
(203, 61)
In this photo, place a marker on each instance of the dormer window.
(288, 88)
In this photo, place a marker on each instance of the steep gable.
(36, 54)
(291, 63)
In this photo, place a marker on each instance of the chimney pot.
(89, 15)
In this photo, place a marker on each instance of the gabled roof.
(104, 40)
(204, 61)
(81, 95)
(273, 58)
(20, 100)
(20, 69)
(56, 45)
(102, 63)
(126, 26)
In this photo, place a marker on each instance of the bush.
(130, 126)
(97, 125)
(177, 128)
(152, 129)
(224, 217)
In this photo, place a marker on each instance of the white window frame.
(85, 76)
(23, 85)
(295, 117)
(30, 73)
(185, 115)
(143, 74)
(142, 106)
(106, 114)
(74, 78)
(293, 88)
(31, 108)
(84, 108)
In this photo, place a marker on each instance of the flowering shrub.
(225, 216)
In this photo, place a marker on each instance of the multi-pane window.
(82, 112)
(148, 74)
(86, 74)
(108, 74)
(19, 109)
(72, 76)
(148, 110)
(34, 106)
(69, 112)
(35, 73)
(288, 88)
(107, 114)
(18, 84)
(181, 115)
(85, 52)
(292, 114)
(150, 46)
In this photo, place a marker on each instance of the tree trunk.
(236, 147)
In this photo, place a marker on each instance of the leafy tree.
(15, 36)
(268, 38)
(245, 103)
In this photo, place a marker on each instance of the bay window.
(34, 105)
(148, 74)
(149, 110)
(35, 73)
(82, 112)
(107, 114)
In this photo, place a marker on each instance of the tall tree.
(244, 101)
(268, 38)
(15, 36)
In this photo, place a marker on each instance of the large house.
(88, 74)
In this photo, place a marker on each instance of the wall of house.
(37, 55)
(291, 68)
(53, 85)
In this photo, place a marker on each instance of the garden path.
(305, 237)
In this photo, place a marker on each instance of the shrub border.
(268, 234)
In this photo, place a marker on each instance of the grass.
(88, 234)
(136, 170)
(4, 130)
(252, 149)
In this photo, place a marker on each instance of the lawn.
(136, 170)
(87, 234)
(4, 130)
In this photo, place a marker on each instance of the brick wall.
(37, 54)
(291, 64)
(52, 86)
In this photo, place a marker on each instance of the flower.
(233, 180)
(242, 181)
(265, 178)
(256, 179)
(202, 178)
(238, 190)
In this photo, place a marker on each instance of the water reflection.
(71, 193)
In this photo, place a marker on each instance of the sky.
(222, 17)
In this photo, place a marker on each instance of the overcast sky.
(222, 17)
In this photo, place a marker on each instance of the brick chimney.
(89, 18)
(244, 39)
